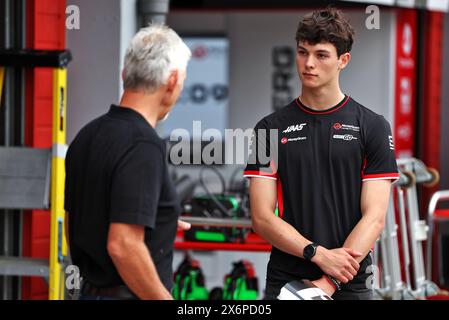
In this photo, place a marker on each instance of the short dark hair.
(326, 25)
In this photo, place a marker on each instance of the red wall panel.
(432, 89)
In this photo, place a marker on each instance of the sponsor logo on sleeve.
(391, 143)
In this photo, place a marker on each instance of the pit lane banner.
(406, 69)
(432, 5)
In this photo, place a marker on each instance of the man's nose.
(310, 62)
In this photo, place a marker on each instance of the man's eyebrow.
(319, 50)
(323, 51)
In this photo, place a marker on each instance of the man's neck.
(321, 98)
(147, 105)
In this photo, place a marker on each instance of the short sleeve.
(261, 163)
(380, 159)
(136, 185)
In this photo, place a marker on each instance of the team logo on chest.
(339, 126)
(284, 140)
(345, 137)
(293, 128)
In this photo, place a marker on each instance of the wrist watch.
(309, 251)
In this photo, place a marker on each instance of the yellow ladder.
(58, 243)
(58, 60)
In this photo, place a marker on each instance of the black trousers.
(350, 291)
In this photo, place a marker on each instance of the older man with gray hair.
(122, 209)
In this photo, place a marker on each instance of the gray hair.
(154, 52)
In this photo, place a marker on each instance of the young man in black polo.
(121, 205)
(330, 175)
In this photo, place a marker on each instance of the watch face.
(309, 251)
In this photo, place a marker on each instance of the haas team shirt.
(320, 160)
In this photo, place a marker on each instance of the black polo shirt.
(116, 171)
(320, 160)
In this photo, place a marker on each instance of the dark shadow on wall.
(444, 160)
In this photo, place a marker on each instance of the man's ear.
(172, 80)
(344, 60)
(123, 74)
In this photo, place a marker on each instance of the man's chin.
(311, 85)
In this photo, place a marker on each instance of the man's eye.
(322, 56)
(302, 53)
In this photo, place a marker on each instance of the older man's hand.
(182, 225)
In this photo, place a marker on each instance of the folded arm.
(263, 195)
(374, 204)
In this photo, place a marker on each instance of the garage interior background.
(253, 34)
